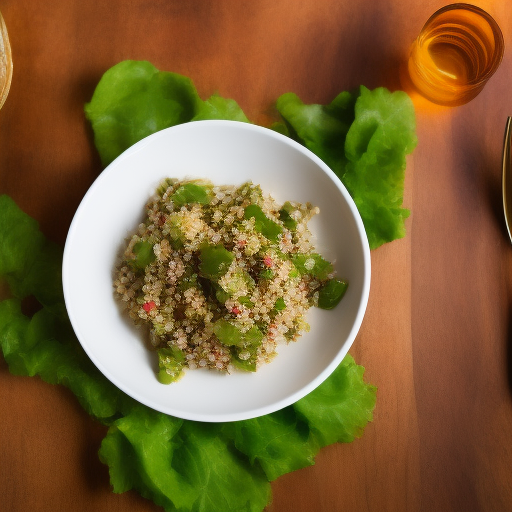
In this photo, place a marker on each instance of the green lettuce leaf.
(28, 261)
(148, 441)
(217, 107)
(279, 442)
(339, 409)
(224, 479)
(321, 128)
(44, 345)
(377, 143)
(364, 138)
(123, 468)
(134, 99)
(179, 465)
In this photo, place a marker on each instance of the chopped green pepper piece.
(231, 335)
(190, 193)
(247, 365)
(293, 273)
(312, 264)
(144, 255)
(221, 295)
(266, 273)
(286, 218)
(253, 337)
(171, 362)
(227, 333)
(331, 293)
(252, 340)
(262, 224)
(214, 261)
(280, 304)
(246, 301)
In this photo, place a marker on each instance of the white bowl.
(225, 152)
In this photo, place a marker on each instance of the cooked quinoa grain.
(222, 275)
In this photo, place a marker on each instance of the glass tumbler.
(459, 48)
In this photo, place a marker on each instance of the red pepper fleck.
(267, 260)
(149, 306)
(235, 310)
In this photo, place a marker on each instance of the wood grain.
(437, 337)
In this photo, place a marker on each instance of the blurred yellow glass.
(5, 62)
(458, 50)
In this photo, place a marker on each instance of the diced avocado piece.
(144, 255)
(286, 218)
(312, 264)
(331, 293)
(171, 362)
(190, 193)
(262, 224)
(214, 261)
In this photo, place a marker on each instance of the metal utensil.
(506, 179)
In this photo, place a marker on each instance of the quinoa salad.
(222, 275)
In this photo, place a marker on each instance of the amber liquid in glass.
(457, 51)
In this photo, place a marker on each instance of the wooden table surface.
(437, 335)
